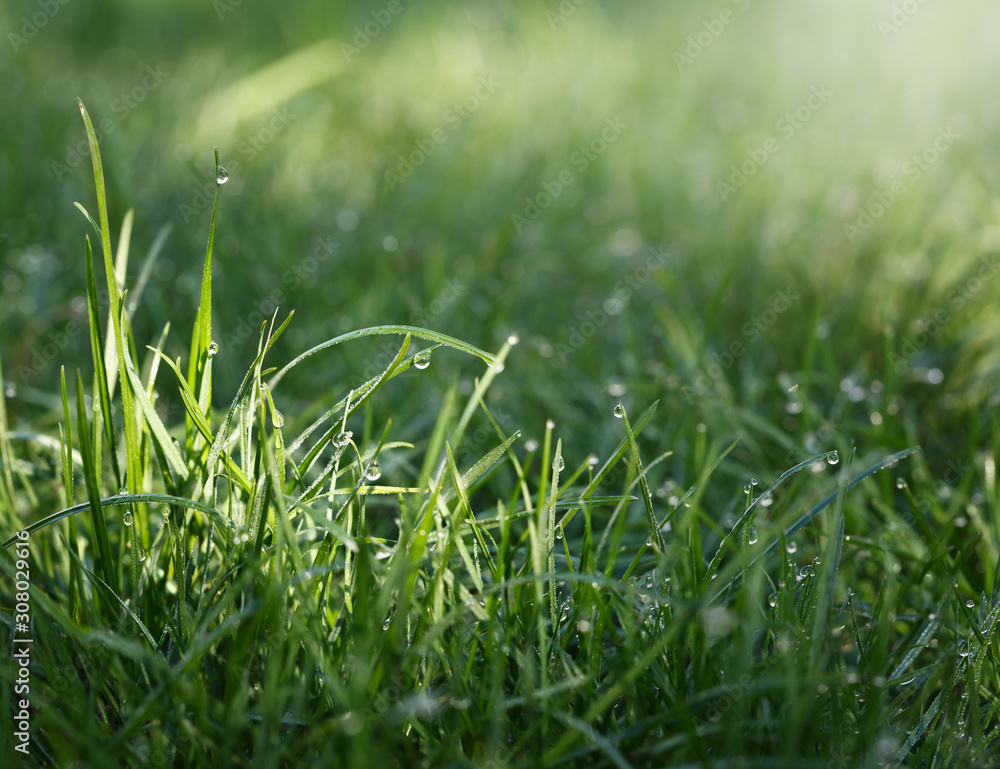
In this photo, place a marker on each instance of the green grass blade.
(419, 333)
(106, 564)
(132, 447)
(9, 497)
(101, 377)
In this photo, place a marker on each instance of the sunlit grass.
(255, 585)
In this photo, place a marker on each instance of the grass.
(254, 586)
(376, 559)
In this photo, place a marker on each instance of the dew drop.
(342, 438)
(531, 445)
(123, 491)
(593, 460)
(559, 533)
(127, 518)
(422, 360)
(10, 390)
(832, 458)
(374, 471)
(970, 604)
(279, 419)
(223, 175)
(550, 425)
(213, 350)
(753, 535)
(900, 483)
(497, 368)
(143, 556)
(619, 411)
(513, 339)
(558, 464)
(792, 547)
(649, 542)
(772, 600)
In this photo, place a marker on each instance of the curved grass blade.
(748, 513)
(126, 499)
(883, 463)
(419, 333)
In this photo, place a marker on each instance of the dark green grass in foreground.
(250, 587)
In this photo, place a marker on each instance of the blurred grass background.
(309, 130)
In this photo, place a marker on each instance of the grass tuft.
(300, 582)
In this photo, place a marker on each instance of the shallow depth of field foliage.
(501, 383)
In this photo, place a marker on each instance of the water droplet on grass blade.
(422, 360)
(792, 547)
(342, 438)
(223, 175)
(127, 518)
(374, 471)
(558, 464)
(213, 349)
(513, 339)
(900, 483)
(832, 458)
(970, 604)
(593, 460)
(619, 411)
(753, 536)
(10, 390)
(279, 419)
